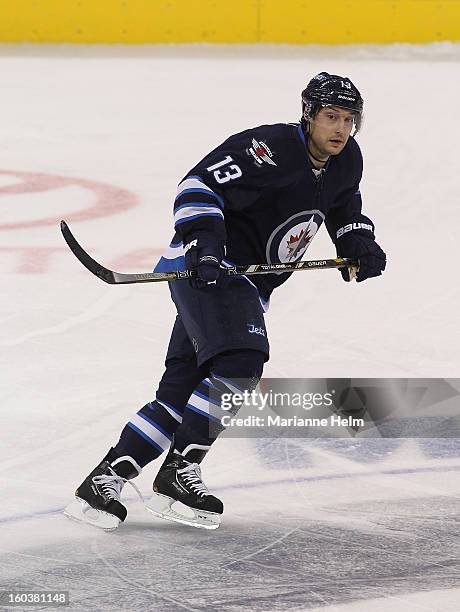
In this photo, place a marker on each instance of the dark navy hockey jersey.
(258, 191)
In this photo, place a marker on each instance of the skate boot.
(179, 480)
(97, 499)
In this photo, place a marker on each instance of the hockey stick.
(117, 278)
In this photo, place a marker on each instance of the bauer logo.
(190, 245)
(354, 226)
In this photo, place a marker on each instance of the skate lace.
(191, 476)
(112, 484)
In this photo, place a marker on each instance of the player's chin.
(334, 148)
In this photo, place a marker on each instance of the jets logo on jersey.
(261, 153)
(290, 240)
(299, 243)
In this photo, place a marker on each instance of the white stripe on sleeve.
(191, 211)
(192, 183)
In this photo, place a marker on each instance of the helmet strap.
(320, 161)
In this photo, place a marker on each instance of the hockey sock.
(149, 432)
(231, 372)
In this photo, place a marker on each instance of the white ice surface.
(307, 525)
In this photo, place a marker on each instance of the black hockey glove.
(360, 244)
(204, 254)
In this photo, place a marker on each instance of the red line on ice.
(110, 199)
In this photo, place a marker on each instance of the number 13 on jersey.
(223, 175)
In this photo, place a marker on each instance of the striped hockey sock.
(149, 432)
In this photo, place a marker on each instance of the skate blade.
(160, 505)
(81, 511)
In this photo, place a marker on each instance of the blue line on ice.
(254, 485)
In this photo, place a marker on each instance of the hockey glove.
(204, 254)
(360, 244)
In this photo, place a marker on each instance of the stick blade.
(90, 264)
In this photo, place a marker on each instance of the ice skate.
(97, 499)
(179, 480)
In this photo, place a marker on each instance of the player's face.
(331, 129)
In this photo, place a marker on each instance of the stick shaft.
(119, 278)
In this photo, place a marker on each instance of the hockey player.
(261, 196)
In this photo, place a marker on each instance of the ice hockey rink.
(101, 137)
